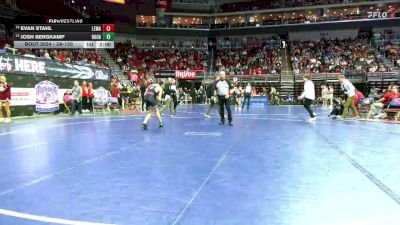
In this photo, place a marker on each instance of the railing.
(381, 38)
(270, 23)
(171, 44)
(352, 75)
(383, 76)
(229, 43)
(257, 78)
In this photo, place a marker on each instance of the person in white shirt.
(223, 88)
(308, 96)
(247, 95)
(324, 95)
(350, 91)
(330, 95)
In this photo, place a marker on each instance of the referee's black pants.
(307, 104)
(222, 101)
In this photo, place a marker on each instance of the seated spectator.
(114, 92)
(68, 97)
(357, 97)
(376, 108)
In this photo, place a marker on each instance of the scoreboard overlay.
(64, 34)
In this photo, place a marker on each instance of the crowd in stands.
(336, 56)
(252, 5)
(73, 56)
(392, 52)
(255, 60)
(88, 57)
(159, 59)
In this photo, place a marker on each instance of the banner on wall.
(27, 96)
(259, 101)
(326, 34)
(100, 96)
(47, 97)
(13, 64)
(180, 74)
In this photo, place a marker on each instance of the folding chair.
(67, 100)
(364, 107)
(100, 100)
(113, 104)
(396, 111)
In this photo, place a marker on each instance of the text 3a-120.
(64, 44)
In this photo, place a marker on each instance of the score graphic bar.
(64, 35)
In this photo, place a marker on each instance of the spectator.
(377, 107)
(324, 95)
(373, 93)
(68, 96)
(5, 98)
(330, 94)
(114, 91)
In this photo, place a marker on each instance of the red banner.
(185, 75)
(180, 74)
(162, 4)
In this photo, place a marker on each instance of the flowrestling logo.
(377, 15)
(46, 97)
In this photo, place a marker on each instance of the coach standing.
(350, 91)
(223, 88)
(247, 96)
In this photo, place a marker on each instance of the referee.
(223, 87)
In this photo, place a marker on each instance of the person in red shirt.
(377, 107)
(90, 96)
(359, 95)
(85, 96)
(395, 94)
(114, 91)
(5, 98)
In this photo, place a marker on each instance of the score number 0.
(108, 28)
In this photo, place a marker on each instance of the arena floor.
(271, 168)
